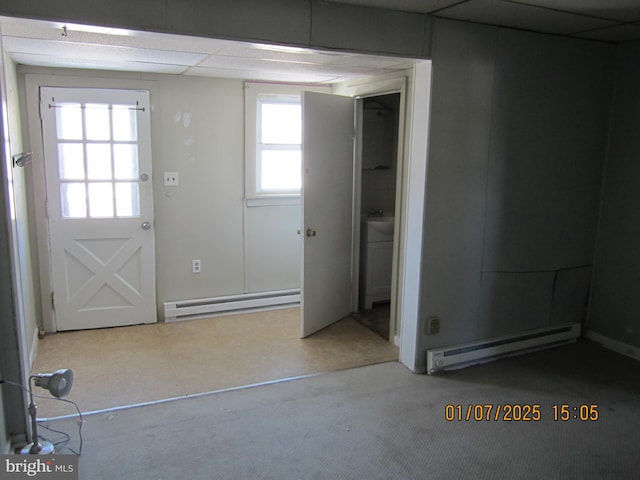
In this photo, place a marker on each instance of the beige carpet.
(382, 422)
(145, 363)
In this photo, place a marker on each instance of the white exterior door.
(327, 209)
(100, 206)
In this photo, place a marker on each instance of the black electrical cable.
(68, 437)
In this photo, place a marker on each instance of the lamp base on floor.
(46, 448)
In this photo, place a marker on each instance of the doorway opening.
(379, 159)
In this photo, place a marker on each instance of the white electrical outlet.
(196, 266)
(170, 179)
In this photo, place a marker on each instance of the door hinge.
(53, 301)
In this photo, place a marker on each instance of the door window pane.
(100, 200)
(69, 121)
(127, 199)
(124, 123)
(71, 161)
(97, 124)
(281, 123)
(281, 170)
(99, 161)
(125, 162)
(74, 200)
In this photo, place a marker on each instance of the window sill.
(272, 200)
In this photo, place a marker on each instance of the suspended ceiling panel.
(52, 44)
(604, 20)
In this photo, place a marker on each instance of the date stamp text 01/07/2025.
(486, 412)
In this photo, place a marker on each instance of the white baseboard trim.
(615, 345)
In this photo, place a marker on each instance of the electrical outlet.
(432, 326)
(170, 179)
(196, 266)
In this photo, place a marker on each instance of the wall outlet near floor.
(432, 326)
(196, 266)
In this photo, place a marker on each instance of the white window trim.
(252, 91)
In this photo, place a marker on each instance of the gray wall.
(615, 307)
(518, 136)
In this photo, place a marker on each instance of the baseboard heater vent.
(463, 355)
(217, 306)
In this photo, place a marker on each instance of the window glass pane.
(280, 170)
(100, 200)
(125, 162)
(74, 200)
(69, 121)
(99, 161)
(71, 161)
(127, 199)
(124, 122)
(97, 122)
(281, 123)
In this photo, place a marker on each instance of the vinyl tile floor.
(121, 366)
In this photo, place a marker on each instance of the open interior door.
(327, 209)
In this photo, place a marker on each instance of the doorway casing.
(411, 182)
(411, 194)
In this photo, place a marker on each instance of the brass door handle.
(311, 232)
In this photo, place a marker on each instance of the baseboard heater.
(463, 355)
(228, 305)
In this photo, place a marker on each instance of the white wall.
(198, 131)
(28, 279)
(518, 136)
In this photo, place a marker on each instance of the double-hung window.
(278, 144)
(273, 142)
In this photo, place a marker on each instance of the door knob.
(146, 226)
(311, 232)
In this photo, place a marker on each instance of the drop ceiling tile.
(618, 33)
(622, 10)
(300, 77)
(58, 48)
(509, 14)
(266, 52)
(305, 55)
(31, 29)
(42, 43)
(418, 6)
(44, 60)
(282, 67)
